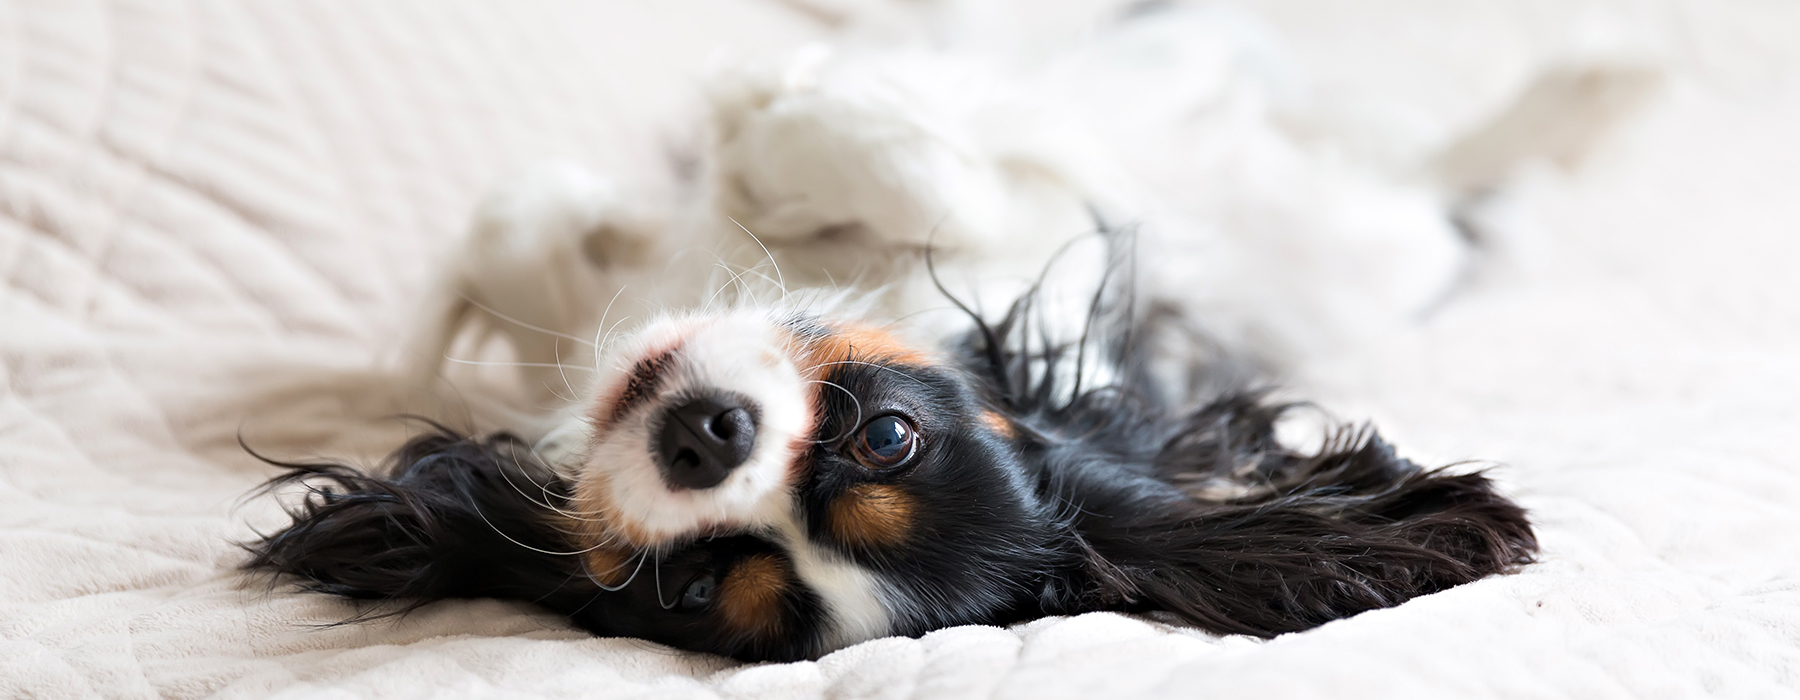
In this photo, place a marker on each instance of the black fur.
(1144, 494)
(449, 517)
(457, 517)
(1303, 539)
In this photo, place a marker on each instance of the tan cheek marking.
(599, 520)
(609, 567)
(872, 515)
(750, 595)
(999, 424)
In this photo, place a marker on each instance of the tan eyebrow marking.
(999, 424)
(750, 595)
(872, 515)
(856, 343)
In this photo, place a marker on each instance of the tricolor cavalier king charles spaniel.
(775, 480)
(775, 486)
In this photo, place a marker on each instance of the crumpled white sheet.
(194, 196)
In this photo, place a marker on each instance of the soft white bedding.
(194, 197)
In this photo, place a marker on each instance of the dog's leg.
(544, 254)
(1562, 116)
(849, 169)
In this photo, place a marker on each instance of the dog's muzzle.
(699, 428)
(704, 438)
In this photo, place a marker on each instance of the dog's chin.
(623, 484)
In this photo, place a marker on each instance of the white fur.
(738, 352)
(745, 352)
(843, 170)
(840, 169)
(852, 595)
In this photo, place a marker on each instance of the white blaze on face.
(740, 353)
(749, 354)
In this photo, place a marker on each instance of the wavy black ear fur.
(1306, 539)
(1177, 496)
(447, 517)
(1181, 498)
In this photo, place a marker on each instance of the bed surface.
(193, 195)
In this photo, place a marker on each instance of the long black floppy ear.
(1303, 540)
(450, 517)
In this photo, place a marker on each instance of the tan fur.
(999, 424)
(608, 566)
(861, 344)
(872, 515)
(601, 522)
(750, 595)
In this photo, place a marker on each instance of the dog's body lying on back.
(927, 388)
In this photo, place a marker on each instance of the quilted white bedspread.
(195, 194)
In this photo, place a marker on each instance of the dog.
(806, 428)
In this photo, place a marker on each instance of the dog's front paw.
(900, 150)
(853, 150)
(554, 209)
(545, 249)
(850, 169)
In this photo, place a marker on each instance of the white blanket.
(194, 195)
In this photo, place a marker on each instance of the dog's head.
(758, 483)
(800, 483)
(776, 485)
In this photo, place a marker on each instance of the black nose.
(702, 440)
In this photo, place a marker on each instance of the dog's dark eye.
(699, 592)
(886, 442)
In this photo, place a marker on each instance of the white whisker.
(860, 362)
(517, 322)
(657, 569)
(498, 531)
(608, 340)
(599, 343)
(556, 350)
(757, 271)
(498, 363)
(543, 490)
(735, 279)
(783, 280)
(645, 554)
(859, 410)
